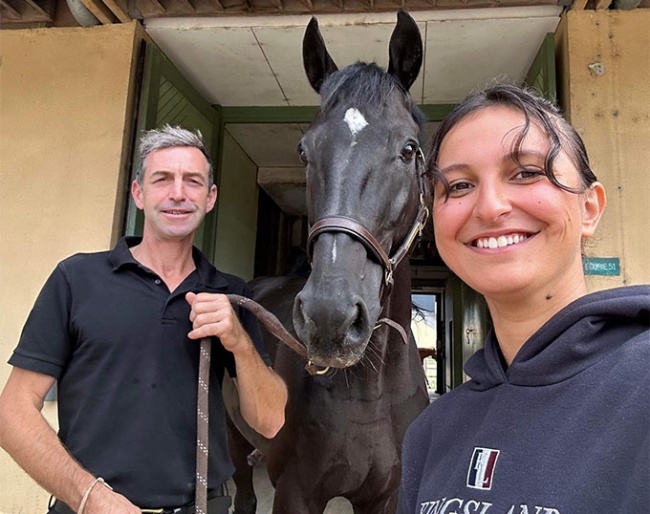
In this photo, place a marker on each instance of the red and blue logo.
(481, 468)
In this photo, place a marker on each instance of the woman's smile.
(501, 241)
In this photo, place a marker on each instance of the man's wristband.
(84, 498)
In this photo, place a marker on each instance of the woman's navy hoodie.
(563, 430)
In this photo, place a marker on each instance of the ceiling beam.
(214, 4)
(119, 9)
(150, 8)
(26, 11)
(99, 9)
(181, 7)
(8, 12)
(36, 7)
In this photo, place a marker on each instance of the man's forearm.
(262, 393)
(33, 444)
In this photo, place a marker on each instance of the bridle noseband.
(355, 229)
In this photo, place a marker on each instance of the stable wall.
(604, 69)
(236, 212)
(65, 119)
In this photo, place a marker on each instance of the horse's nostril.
(357, 331)
(298, 313)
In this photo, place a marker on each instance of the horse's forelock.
(364, 84)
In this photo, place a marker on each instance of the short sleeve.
(45, 343)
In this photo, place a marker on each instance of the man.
(119, 331)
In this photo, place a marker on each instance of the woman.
(555, 418)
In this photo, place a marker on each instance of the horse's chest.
(336, 451)
(334, 427)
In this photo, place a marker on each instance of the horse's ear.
(405, 50)
(317, 61)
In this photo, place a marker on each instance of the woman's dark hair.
(561, 134)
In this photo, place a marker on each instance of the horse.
(367, 203)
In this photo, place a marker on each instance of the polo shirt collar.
(120, 257)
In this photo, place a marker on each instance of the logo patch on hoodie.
(481, 468)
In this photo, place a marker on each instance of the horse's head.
(364, 191)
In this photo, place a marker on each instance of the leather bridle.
(347, 225)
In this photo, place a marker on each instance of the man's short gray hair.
(171, 137)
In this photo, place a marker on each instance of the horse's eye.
(408, 152)
(302, 155)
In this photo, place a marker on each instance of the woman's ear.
(594, 201)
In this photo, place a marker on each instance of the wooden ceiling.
(43, 13)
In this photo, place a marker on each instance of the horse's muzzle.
(334, 328)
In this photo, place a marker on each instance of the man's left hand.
(213, 315)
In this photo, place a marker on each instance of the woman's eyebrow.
(518, 155)
(453, 167)
(513, 156)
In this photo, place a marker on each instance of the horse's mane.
(365, 84)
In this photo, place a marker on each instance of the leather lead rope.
(202, 426)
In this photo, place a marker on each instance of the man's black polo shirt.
(114, 337)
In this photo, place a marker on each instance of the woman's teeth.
(500, 242)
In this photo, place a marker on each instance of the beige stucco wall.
(65, 112)
(611, 111)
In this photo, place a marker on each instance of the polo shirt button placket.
(157, 281)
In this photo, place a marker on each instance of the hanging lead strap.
(202, 424)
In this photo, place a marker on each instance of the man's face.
(174, 194)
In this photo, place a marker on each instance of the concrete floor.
(264, 491)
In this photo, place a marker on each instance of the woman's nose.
(492, 202)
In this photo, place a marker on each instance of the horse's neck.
(398, 305)
(398, 308)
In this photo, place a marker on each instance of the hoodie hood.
(574, 339)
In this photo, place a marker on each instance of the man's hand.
(213, 315)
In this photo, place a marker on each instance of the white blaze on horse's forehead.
(355, 120)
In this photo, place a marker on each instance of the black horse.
(366, 205)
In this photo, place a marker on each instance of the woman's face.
(505, 228)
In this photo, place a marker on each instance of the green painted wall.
(237, 212)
